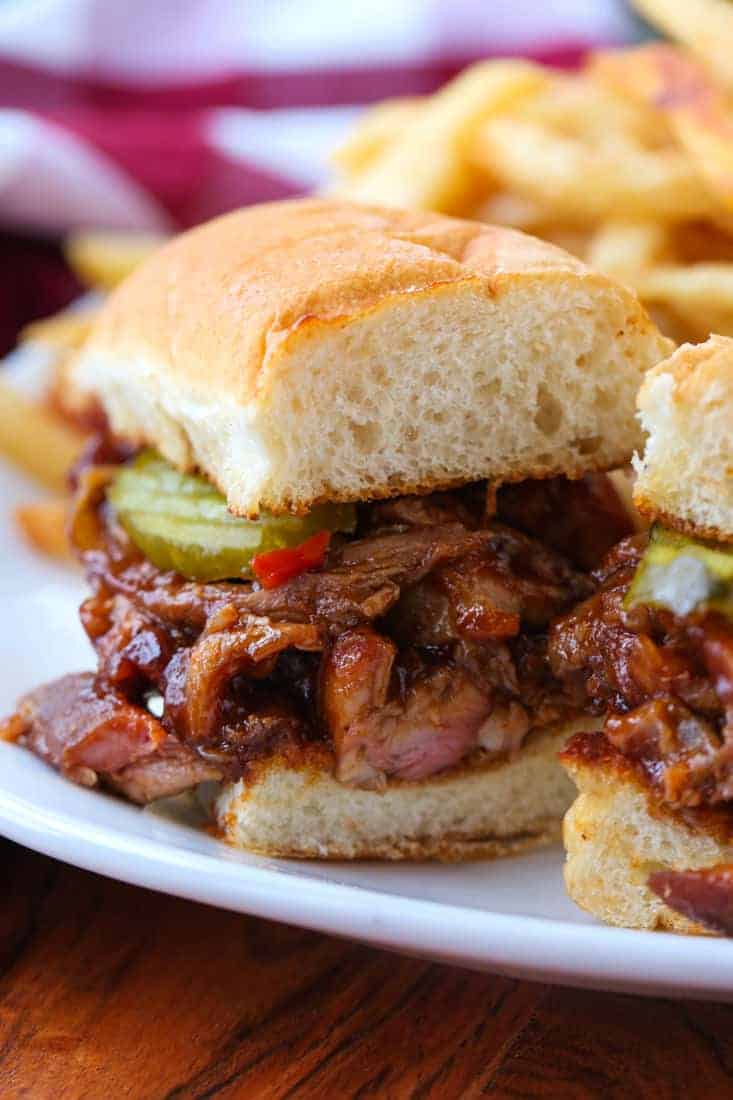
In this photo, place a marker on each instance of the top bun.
(685, 478)
(316, 350)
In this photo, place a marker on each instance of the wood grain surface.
(108, 991)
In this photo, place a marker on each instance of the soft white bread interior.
(314, 349)
(685, 478)
(614, 841)
(485, 811)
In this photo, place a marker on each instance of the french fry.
(376, 130)
(102, 260)
(584, 183)
(427, 168)
(701, 294)
(36, 440)
(624, 249)
(64, 331)
(697, 111)
(43, 524)
(578, 106)
(705, 26)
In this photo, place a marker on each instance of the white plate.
(510, 916)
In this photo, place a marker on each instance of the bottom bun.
(615, 836)
(493, 809)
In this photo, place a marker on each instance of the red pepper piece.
(278, 566)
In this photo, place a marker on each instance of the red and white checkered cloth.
(157, 114)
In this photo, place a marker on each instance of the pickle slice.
(181, 522)
(683, 574)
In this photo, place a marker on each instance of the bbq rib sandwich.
(650, 836)
(353, 472)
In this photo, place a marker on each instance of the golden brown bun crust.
(314, 349)
(685, 478)
(267, 275)
(617, 833)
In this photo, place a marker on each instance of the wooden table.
(108, 991)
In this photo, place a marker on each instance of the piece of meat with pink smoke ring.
(406, 726)
(90, 736)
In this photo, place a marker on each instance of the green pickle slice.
(181, 522)
(683, 574)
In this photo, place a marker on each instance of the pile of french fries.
(627, 162)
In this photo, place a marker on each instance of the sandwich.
(354, 467)
(649, 838)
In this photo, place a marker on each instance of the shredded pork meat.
(665, 683)
(89, 735)
(430, 722)
(421, 642)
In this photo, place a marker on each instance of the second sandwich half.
(354, 468)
